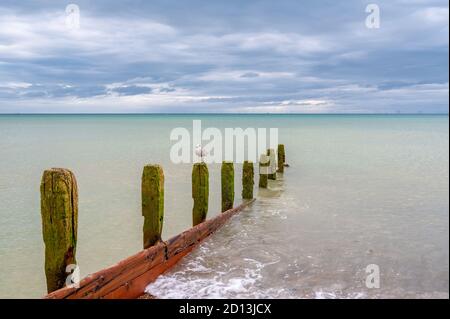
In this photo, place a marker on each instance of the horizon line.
(218, 113)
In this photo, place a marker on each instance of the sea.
(362, 211)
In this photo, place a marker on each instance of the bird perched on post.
(200, 152)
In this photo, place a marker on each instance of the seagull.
(200, 152)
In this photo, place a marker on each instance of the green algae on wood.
(59, 213)
(227, 178)
(247, 180)
(281, 158)
(272, 164)
(263, 170)
(152, 203)
(200, 192)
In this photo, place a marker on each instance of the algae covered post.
(227, 177)
(263, 170)
(247, 180)
(152, 203)
(272, 164)
(200, 192)
(59, 212)
(281, 158)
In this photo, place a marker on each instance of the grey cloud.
(232, 55)
(250, 75)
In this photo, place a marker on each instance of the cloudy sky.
(224, 56)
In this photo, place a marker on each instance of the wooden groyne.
(129, 278)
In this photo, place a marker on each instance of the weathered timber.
(272, 164)
(59, 213)
(248, 180)
(281, 158)
(200, 192)
(152, 204)
(128, 278)
(263, 170)
(227, 182)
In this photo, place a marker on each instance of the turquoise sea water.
(361, 189)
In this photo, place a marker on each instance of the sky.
(284, 56)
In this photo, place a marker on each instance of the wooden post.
(263, 170)
(200, 192)
(152, 203)
(227, 174)
(59, 212)
(272, 164)
(281, 158)
(248, 175)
